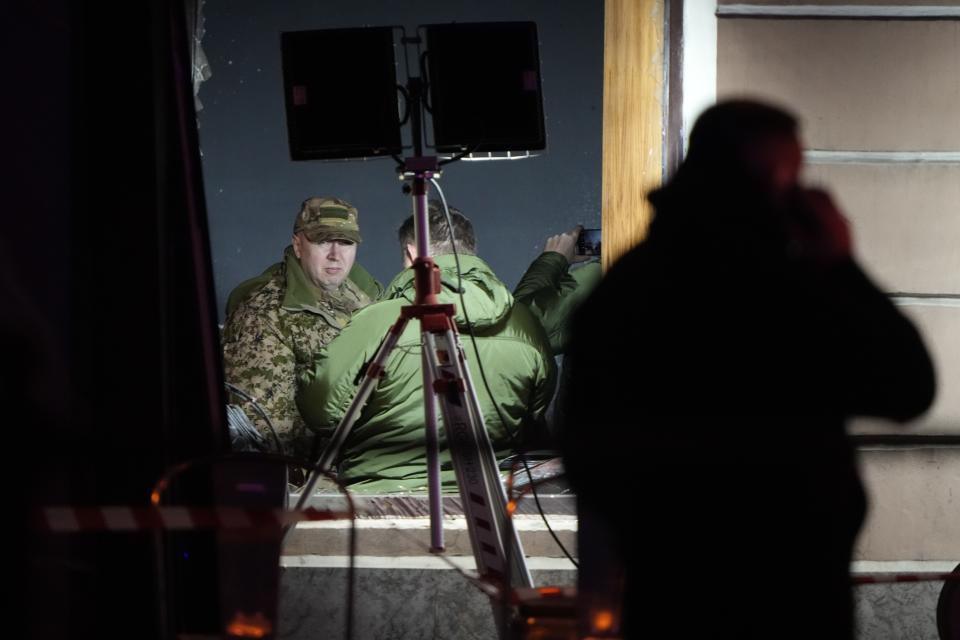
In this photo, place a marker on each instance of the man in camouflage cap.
(277, 322)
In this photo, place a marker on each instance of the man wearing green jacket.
(553, 291)
(385, 452)
(278, 322)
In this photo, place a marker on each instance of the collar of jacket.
(301, 295)
(488, 300)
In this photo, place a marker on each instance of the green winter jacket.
(553, 292)
(358, 275)
(385, 451)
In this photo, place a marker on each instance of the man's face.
(787, 165)
(326, 263)
(777, 162)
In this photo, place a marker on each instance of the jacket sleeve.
(540, 375)
(548, 272)
(261, 363)
(327, 388)
(587, 278)
(538, 435)
(552, 293)
(884, 369)
(545, 385)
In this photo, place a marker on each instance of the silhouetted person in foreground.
(713, 371)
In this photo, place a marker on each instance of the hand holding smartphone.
(576, 245)
(588, 242)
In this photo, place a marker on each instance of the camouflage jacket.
(272, 335)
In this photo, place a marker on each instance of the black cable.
(513, 437)
(256, 405)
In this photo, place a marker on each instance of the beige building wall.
(877, 86)
(914, 511)
(880, 103)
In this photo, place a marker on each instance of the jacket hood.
(488, 300)
(302, 295)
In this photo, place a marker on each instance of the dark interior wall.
(108, 373)
(254, 190)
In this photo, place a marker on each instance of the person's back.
(553, 291)
(713, 371)
(385, 452)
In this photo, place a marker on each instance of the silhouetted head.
(741, 169)
(745, 144)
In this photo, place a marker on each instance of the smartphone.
(588, 242)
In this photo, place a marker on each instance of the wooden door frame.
(652, 90)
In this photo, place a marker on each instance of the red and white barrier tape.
(90, 519)
(82, 519)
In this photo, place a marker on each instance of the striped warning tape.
(90, 519)
(81, 519)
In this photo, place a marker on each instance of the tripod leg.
(475, 464)
(519, 574)
(369, 383)
(433, 453)
(513, 550)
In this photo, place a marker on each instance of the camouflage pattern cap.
(323, 219)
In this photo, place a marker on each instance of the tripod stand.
(446, 382)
